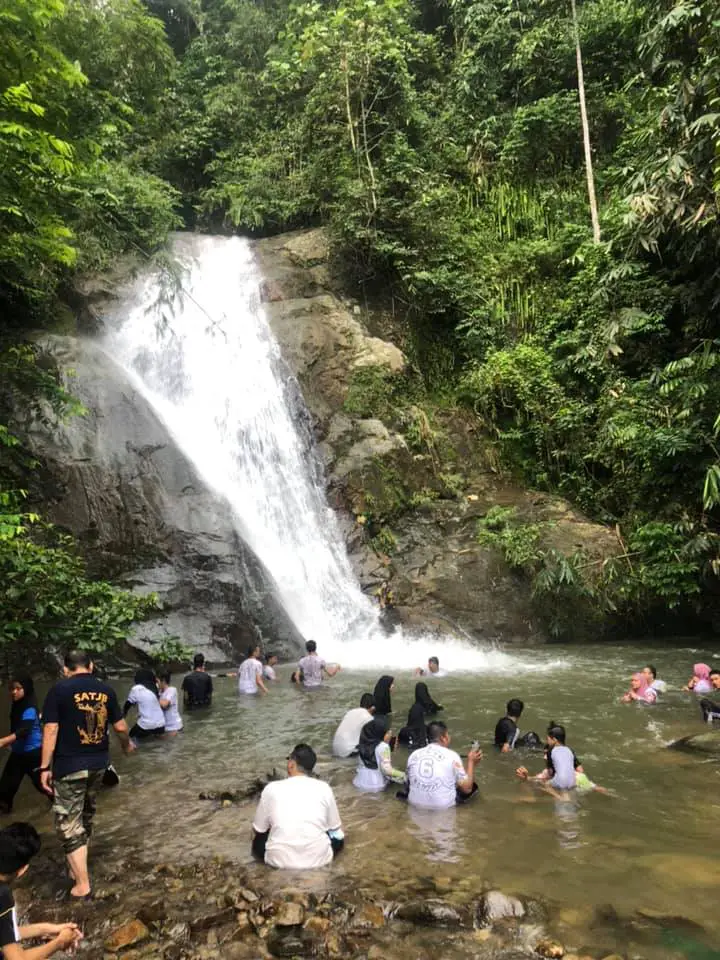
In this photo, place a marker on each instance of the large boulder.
(116, 479)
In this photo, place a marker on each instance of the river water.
(649, 846)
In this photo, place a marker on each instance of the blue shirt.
(33, 741)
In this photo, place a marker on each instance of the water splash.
(204, 357)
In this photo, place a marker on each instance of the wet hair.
(164, 675)
(514, 708)
(434, 660)
(311, 646)
(435, 730)
(652, 670)
(18, 845)
(269, 656)
(715, 673)
(198, 660)
(78, 660)
(304, 756)
(367, 700)
(556, 731)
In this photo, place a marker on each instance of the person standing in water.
(250, 673)
(311, 667)
(383, 705)
(24, 741)
(197, 687)
(347, 736)
(77, 716)
(375, 770)
(169, 703)
(650, 673)
(269, 668)
(432, 669)
(699, 682)
(640, 691)
(150, 717)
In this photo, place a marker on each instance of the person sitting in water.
(415, 733)
(711, 708)
(347, 736)
(699, 682)
(250, 673)
(311, 667)
(169, 703)
(659, 686)
(269, 668)
(375, 770)
(297, 825)
(435, 776)
(19, 843)
(640, 691)
(383, 703)
(197, 687)
(563, 770)
(432, 669)
(150, 717)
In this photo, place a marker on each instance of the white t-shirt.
(298, 812)
(347, 735)
(433, 773)
(173, 720)
(150, 714)
(659, 686)
(249, 669)
(312, 668)
(269, 673)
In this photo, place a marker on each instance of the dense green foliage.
(441, 144)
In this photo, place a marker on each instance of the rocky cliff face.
(117, 480)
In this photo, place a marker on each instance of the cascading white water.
(207, 361)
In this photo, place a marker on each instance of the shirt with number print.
(433, 773)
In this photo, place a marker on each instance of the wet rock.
(130, 933)
(248, 895)
(317, 925)
(154, 912)
(179, 932)
(429, 913)
(550, 949)
(211, 916)
(243, 926)
(369, 916)
(495, 905)
(290, 914)
(668, 921)
(290, 942)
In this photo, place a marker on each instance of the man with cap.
(297, 825)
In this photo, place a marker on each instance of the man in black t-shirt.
(506, 730)
(77, 717)
(18, 845)
(197, 686)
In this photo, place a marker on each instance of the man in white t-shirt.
(435, 774)
(347, 736)
(297, 825)
(250, 673)
(311, 667)
(432, 669)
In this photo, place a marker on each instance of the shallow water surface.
(650, 846)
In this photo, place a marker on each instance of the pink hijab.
(701, 672)
(643, 692)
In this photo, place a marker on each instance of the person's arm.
(386, 767)
(261, 821)
(49, 742)
(123, 734)
(523, 773)
(505, 748)
(333, 821)
(165, 704)
(8, 740)
(465, 784)
(259, 682)
(65, 938)
(34, 931)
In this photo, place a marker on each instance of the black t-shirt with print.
(84, 708)
(505, 732)
(198, 689)
(8, 919)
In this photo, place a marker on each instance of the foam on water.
(205, 358)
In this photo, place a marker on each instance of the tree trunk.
(585, 128)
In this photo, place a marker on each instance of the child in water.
(563, 771)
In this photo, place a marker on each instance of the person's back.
(432, 774)
(562, 762)
(197, 689)
(84, 708)
(298, 812)
(150, 714)
(347, 736)
(311, 666)
(250, 669)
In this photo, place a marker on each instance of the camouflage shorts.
(74, 807)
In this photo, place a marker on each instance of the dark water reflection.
(650, 846)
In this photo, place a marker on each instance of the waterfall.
(203, 355)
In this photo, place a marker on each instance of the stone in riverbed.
(211, 915)
(130, 933)
(290, 915)
(495, 905)
(550, 949)
(290, 942)
(317, 925)
(434, 913)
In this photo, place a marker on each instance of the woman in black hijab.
(375, 769)
(383, 689)
(415, 734)
(24, 740)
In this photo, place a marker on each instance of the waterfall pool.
(650, 847)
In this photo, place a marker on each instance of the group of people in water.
(64, 750)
